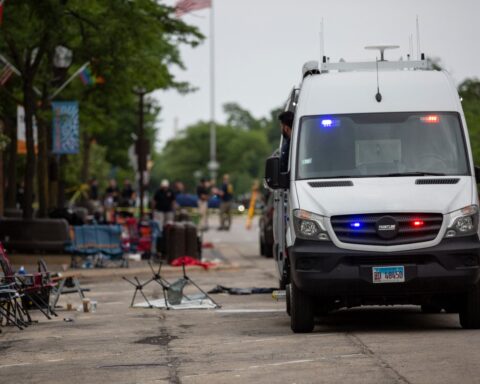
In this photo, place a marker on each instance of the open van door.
(278, 182)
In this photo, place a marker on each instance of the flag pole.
(62, 87)
(213, 165)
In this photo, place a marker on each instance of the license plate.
(394, 274)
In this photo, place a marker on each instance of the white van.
(379, 205)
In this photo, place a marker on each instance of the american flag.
(5, 74)
(1, 11)
(186, 6)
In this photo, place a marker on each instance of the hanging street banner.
(65, 127)
(22, 132)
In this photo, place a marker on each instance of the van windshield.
(381, 144)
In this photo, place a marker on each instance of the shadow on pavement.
(373, 319)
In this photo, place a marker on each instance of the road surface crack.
(387, 368)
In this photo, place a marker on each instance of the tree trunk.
(12, 166)
(29, 105)
(61, 181)
(53, 182)
(2, 184)
(86, 143)
(52, 174)
(42, 171)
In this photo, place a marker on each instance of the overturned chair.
(173, 293)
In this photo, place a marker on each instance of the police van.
(379, 205)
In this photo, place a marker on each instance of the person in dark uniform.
(226, 195)
(203, 194)
(164, 204)
(286, 123)
(127, 194)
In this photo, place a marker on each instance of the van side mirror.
(274, 178)
(477, 174)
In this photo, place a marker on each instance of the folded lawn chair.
(34, 289)
(11, 310)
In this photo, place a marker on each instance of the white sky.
(261, 46)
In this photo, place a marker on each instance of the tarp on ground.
(193, 303)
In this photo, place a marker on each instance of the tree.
(128, 43)
(242, 147)
(237, 117)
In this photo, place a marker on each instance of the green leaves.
(128, 43)
(242, 147)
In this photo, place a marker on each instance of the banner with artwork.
(65, 127)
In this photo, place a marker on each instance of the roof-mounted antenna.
(418, 40)
(382, 48)
(378, 96)
(322, 39)
(410, 48)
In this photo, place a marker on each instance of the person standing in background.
(286, 123)
(128, 194)
(112, 192)
(93, 190)
(226, 195)
(203, 195)
(164, 204)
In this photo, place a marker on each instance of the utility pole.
(141, 146)
(213, 163)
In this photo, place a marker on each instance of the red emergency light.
(418, 223)
(430, 119)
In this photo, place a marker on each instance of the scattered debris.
(189, 261)
(241, 291)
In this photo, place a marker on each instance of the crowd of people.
(163, 206)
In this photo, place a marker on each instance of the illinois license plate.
(395, 274)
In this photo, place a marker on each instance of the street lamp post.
(141, 145)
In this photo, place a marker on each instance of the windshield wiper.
(398, 174)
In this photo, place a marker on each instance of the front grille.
(387, 259)
(367, 233)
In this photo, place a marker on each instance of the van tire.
(287, 298)
(470, 309)
(267, 250)
(262, 247)
(301, 311)
(285, 278)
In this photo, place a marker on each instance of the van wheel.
(267, 250)
(262, 247)
(285, 278)
(301, 311)
(470, 309)
(287, 298)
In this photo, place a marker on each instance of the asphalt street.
(248, 340)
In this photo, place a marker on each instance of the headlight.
(309, 226)
(463, 222)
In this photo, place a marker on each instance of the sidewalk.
(222, 252)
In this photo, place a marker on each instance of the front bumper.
(322, 269)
